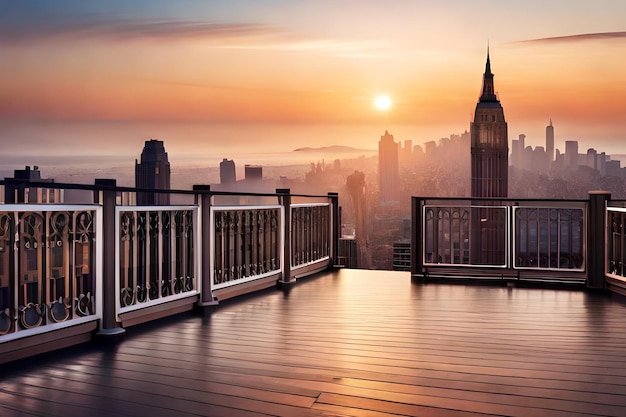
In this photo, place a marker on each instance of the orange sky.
(289, 63)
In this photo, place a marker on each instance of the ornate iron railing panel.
(310, 233)
(549, 238)
(616, 242)
(246, 243)
(446, 234)
(47, 267)
(156, 255)
(529, 236)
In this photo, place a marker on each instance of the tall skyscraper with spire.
(490, 175)
(550, 141)
(153, 172)
(490, 144)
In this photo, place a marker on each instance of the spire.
(488, 93)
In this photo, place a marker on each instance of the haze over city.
(221, 78)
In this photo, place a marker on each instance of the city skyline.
(85, 77)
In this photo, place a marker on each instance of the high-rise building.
(153, 172)
(490, 144)
(489, 174)
(550, 141)
(388, 169)
(571, 154)
(227, 172)
(18, 190)
(253, 172)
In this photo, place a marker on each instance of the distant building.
(517, 152)
(401, 255)
(348, 254)
(253, 172)
(490, 144)
(550, 141)
(388, 170)
(571, 154)
(592, 158)
(227, 172)
(153, 172)
(17, 189)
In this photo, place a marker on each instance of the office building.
(550, 141)
(153, 173)
(227, 172)
(388, 170)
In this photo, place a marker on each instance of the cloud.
(578, 38)
(111, 28)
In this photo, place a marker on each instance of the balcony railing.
(49, 256)
(156, 255)
(538, 239)
(246, 243)
(111, 264)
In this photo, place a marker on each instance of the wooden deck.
(351, 343)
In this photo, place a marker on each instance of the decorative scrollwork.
(127, 297)
(84, 305)
(59, 310)
(6, 322)
(31, 315)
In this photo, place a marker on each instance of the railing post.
(206, 297)
(284, 198)
(417, 263)
(336, 228)
(596, 239)
(109, 326)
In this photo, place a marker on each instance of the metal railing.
(506, 235)
(49, 258)
(156, 255)
(109, 263)
(310, 233)
(616, 243)
(246, 243)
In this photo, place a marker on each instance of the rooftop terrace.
(348, 343)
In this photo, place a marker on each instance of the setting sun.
(382, 103)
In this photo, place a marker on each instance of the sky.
(225, 77)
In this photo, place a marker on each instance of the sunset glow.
(382, 103)
(297, 65)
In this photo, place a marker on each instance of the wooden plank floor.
(350, 343)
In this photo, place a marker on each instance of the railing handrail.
(118, 188)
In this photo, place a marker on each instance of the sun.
(383, 103)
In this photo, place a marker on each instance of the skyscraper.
(227, 172)
(153, 172)
(550, 141)
(490, 144)
(388, 169)
(490, 164)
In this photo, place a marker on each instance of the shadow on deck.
(348, 343)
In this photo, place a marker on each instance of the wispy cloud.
(130, 29)
(225, 35)
(584, 37)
